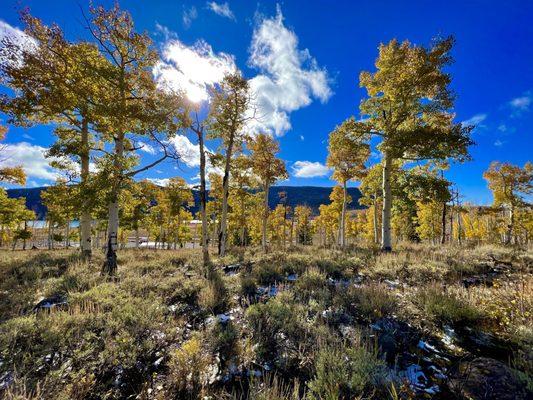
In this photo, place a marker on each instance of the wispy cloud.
(309, 169)
(506, 129)
(147, 148)
(189, 15)
(221, 9)
(520, 105)
(289, 78)
(498, 143)
(476, 120)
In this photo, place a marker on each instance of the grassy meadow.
(309, 323)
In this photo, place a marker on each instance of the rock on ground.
(487, 379)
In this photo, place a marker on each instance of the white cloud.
(475, 120)
(31, 158)
(16, 36)
(13, 34)
(189, 15)
(189, 153)
(147, 148)
(521, 103)
(289, 78)
(309, 169)
(498, 143)
(191, 69)
(160, 181)
(302, 138)
(221, 9)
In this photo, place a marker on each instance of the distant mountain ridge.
(312, 196)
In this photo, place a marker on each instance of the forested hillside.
(311, 196)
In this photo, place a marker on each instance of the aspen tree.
(135, 108)
(230, 102)
(510, 184)
(56, 81)
(269, 169)
(409, 107)
(347, 155)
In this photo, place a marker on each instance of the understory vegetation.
(309, 323)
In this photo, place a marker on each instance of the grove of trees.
(105, 106)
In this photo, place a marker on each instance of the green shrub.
(445, 307)
(248, 288)
(271, 387)
(346, 372)
(223, 338)
(101, 329)
(213, 296)
(279, 315)
(312, 285)
(267, 273)
(368, 302)
(189, 369)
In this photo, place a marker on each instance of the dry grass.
(157, 306)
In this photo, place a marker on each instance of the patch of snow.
(415, 376)
(292, 277)
(426, 346)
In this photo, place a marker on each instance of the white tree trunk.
(223, 234)
(85, 215)
(386, 241)
(112, 237)
(203, 200)
(67, 235)
(110, 266)
(510, 226)
(342, 223)
(376, 220)
(264, 243)
(50, 236)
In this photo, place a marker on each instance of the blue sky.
(304, 59)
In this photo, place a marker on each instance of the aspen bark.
(265, 220)
(510, 227)
(203, 200)
(376, 220)
(110, 265)
(222, 235)
(242, 221)
(386, 241)
(85, 216)
(342, 224)
(67, 235)
(443, 224)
